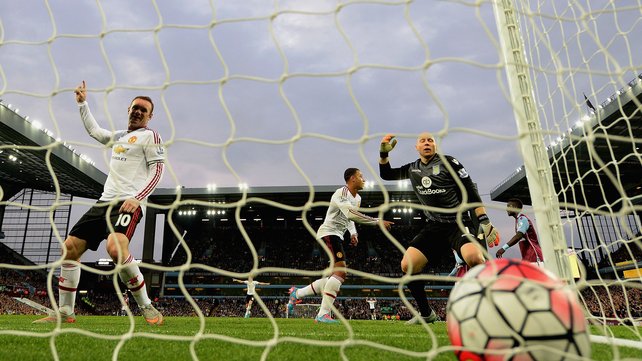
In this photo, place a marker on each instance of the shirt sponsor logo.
(119, 149)
(426, 182)
(427, 192)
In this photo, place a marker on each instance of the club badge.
(426, 182)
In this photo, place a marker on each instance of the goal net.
(576, 84)
(305, 310)
(540, 100)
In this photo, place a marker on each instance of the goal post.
(531, 142)
(576, 90)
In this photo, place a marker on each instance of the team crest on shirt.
(132, 139)
(435, 169)
(339, 255)
(119, 149)
(426, 182)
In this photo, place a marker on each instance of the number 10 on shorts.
(123, 220)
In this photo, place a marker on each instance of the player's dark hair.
(517, 202)
(349, 173)
(146, 98)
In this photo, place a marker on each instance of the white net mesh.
(291, 93)
(305, 310)
(587, 82)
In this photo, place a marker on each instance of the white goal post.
(531, 140)
(576, 90)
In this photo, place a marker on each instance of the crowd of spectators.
(296, 248)
(226, 248)
(613, 303)
(94, 302)
(626, 251)
(16, 283)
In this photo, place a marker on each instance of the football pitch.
(98, 338)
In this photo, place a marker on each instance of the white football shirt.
(371, 303)
(342, 213)
(251, 287)
(133, 154)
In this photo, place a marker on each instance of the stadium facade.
(39, 176)
(598, 179)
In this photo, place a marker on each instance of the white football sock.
(314, 288)
(330, 292)
(67, 286)
(132, 277)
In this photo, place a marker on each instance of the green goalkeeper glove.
(487, 231)
(388, 143)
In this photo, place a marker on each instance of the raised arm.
(386, 172)
(88, 120)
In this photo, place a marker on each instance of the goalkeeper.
(434, 178)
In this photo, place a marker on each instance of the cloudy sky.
(277, 93)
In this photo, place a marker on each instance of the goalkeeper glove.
(487, 231)
(388, 143)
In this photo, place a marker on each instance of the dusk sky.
(270, 86)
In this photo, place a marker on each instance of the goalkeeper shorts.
(437, 241)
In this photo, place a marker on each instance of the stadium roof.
(23, 158)
(578, 175)
(295, 196)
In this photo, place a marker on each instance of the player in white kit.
(340, 217)
(249, 297)
(372, 306)
(135, 169)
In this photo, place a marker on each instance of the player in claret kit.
(340, 217)
(136, 167)
(525, 235)
(434, 179)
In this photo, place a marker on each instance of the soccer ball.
(513, 310)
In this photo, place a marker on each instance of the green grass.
(97, 338)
